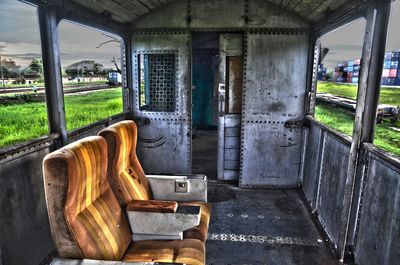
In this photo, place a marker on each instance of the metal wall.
(324, 177)
(377, 195)
(378, 233)
(164, 144)
(275, 65)
(24, 228)
(274, 82)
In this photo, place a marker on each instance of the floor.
(256, 226)
(204, 153)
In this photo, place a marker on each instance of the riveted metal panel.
(262, 14)
(378, 235)
(312, 163)
(217, 13)
(334, 163)
(274, 92)
(164, 144)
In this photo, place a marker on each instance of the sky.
(345, 43)
(19, 38)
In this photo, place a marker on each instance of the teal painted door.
(205, 65)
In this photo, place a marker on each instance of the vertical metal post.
(52, 72)
(312, 75)
(127, 85)
(367, 99)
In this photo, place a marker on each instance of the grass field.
(388, 95)
(21, 122)
(341, 120)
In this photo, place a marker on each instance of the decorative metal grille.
(157, 82)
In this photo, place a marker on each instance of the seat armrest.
(151, 225)
(153, 206)
(181, 188)
(59, 261)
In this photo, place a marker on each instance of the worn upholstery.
(152, 206)
(130, 182)
(91, 211)
(86, 218)
(187, 251)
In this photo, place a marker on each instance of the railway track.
(384, 110)
(67, 89)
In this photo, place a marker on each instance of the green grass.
(341, 120)
(388, 95)
(28, 121)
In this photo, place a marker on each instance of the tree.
(9, 68)
(36, 66)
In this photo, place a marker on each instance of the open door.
(229, 91)
(162, 96)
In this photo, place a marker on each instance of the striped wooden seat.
(85, 217)
(129, 180)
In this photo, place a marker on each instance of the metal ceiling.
(127, 11)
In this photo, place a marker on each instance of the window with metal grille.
(157, 76)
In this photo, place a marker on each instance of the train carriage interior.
(212, 149)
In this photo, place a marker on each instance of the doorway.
(205, 63)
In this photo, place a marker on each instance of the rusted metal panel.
(263, 14)
(312, 163)
(334, 163)
(168, 135)
(217, 13)
(378, 235)
(274, 92)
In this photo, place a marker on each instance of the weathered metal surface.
(212, 14)
(24, 228)
(312, 162)
(129, 11)
(164, 144)
(171, 15)
(271, 153)
(378, 235)
(264, 14)
(52, 72)
(334, 163)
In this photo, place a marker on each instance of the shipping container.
(388, 56)
(386, 64)
(396, 55)
(355, 80)
(356, 74)
(397, 83)
(391, 81)
(394, 64)
(349, 74)
(356, 68)
(393, 73)
(350, 63)
(385, 73)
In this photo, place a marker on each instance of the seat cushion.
(91, 210)
(199, 232)
(187, 251)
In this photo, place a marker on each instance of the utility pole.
(2, 76)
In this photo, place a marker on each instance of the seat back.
(129, 179)
(85, 217)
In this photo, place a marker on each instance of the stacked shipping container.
(391, 69)
(348, 72)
